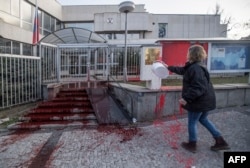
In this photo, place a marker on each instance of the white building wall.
(52, 7)
(87, 12)
(15, 33)
(188, 26)
(115, 22)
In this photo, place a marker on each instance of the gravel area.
(156, 145)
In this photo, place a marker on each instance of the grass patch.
(11, 121)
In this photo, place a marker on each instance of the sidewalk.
(151, 146)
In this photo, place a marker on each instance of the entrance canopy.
(72, 36)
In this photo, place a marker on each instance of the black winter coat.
(197, 89)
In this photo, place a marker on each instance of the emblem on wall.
(110, 20)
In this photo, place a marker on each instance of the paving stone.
(152, 146)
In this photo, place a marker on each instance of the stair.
(70, 108)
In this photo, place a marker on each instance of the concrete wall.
(87, 12)
(136, 22)
(144, 104)
(15, 33)
(189, 26)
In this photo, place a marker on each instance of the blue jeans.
(193, 118)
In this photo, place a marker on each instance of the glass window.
(26, 12)
(40, 18)
(162, 31)
(58, 25)
(5, 46)
(52, 25)
(15, 48)
(27, 49)
(5, 5)
(46, 21)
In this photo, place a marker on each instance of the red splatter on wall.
(159, 106)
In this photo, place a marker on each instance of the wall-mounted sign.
(151, 55)
(229, 57)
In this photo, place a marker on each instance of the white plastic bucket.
(160, 70)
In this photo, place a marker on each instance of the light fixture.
(126, 7)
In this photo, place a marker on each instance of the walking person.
(198, 98)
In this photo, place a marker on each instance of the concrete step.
(63, 90)
(57, 117)
(63, 110)
(52, 104)
(62, 99)
(70, 108)
(72, 94)
(54, 125)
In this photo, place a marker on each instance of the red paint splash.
(159, 107)
(14, 138)
(181, 110)
(127, 134)
(172, 133)
(52, 156)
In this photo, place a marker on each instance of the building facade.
(16, 22)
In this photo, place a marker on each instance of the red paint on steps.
(70, 110)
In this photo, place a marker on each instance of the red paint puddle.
(127, 134)
(172, 133)
(52, 157)
(17, 136)
(35, 150)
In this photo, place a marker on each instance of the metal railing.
(19, 80)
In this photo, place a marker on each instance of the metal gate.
(87, 62)
(83, 62)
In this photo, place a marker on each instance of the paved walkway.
(151, 146)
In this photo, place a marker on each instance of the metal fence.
(19, 79)
(49, 65)
(117, 61)
(68, 63)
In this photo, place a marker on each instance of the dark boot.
(220, 144)
(190, 146)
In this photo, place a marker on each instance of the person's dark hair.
(197, 53)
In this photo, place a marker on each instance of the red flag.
(36, 27)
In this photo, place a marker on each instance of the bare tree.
(218, 10)
(246, 26)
